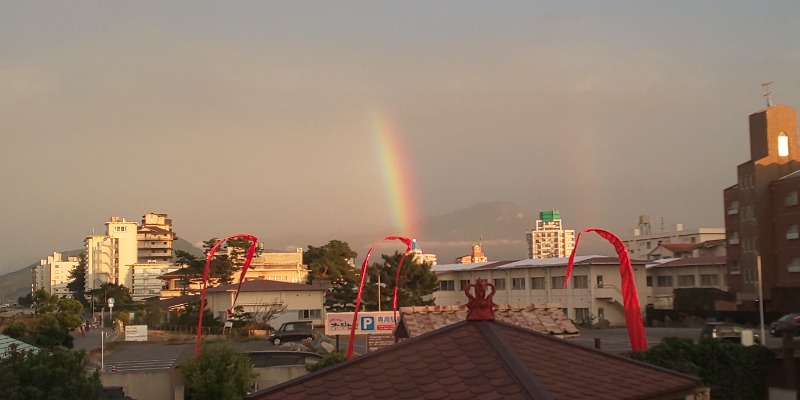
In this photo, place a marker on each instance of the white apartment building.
(146, 282)
(594, 289)
(549, 239)
(110, 258)
(278, 266)
(52, 274)
(643, 240)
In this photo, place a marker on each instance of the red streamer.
(250, 253)
(633, 313)
(364, 265)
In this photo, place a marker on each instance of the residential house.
(302, 302)
(709, 248)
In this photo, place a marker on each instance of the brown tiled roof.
(416, 321)
(174, 301)
(680, 246)
(264, 285)
(486, 360)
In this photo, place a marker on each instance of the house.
(302, 302)
(594, 292)
(709, 248)
(481, 358)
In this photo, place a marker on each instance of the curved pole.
(633, 313)
(364, 266)
(250, 253)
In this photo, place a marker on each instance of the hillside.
(18, 283)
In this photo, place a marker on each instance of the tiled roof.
(486, 360)
(7, 341)
(266, 286)
(548, 319)
(175, 301)
(680, 246)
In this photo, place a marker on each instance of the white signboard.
(136, 333)
(372, 323)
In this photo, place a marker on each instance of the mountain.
(18, 283)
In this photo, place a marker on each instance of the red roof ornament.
(481, 307)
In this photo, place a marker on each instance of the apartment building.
(549, 239)
(155, 237)
(147, 282)
(53, 274)
(419, 257)
(593, 292)
(110, 257)
(278, 266)
(710, 248)
(762, 214)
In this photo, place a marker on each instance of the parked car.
(725, 331)
(775, 326)
(292, 332)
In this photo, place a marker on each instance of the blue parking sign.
(367, 323)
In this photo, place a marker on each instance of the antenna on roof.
(767, 93)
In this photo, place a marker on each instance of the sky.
(282, 118)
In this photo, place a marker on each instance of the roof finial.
(481, 306)
(767, 93)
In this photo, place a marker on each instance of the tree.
(47, 332)
(417, 283)
(262, 313)
(221, 264)
(77, 284)
(47, 374)
(191, 314)
(25, 301)
(120, 294)
(731, 370)
(217, 373)
(333, 262)
(44, 301)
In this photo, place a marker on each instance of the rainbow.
(396, 174)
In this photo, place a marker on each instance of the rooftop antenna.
(767, 93)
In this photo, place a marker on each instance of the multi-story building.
(643, 240)
(53, 274)
(476, 256)
(762, 214)
(147, 282)
(665, 276)
(549, 239)
(110, 258)
(419, 257)
(278, 266)
(710, 248)
(155, 237)
(594, 290)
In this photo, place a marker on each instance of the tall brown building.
(762, 214)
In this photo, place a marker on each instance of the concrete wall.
(165, 384)
(271, 376)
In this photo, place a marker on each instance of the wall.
(165, 384)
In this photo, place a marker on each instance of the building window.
(538, 283)
(733, 208)
(685, 280)
(447, 286)
(792, 232)
(499, 284)
(647, 245)
(464, 283)
(733, 237)
(580, 282)
(557, 282)
(649, 281)
(783, 145)
(582, 315)
(309, 314)
(517, 283)
(664, 281)
(735, 268)
(709, 280)
(790, 199)
(794, 265)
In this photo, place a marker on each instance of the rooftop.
(266, 286)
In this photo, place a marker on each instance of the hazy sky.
(259, 117)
